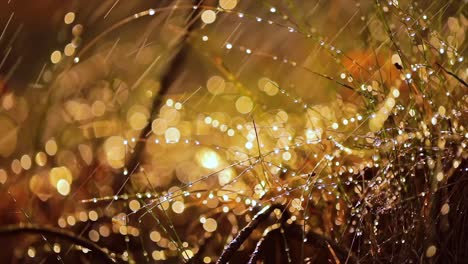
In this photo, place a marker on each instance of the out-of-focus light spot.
(51, 147)
(31, 252)
(8, 101)
(208, 120)
(178, 207)
(26, 162)
(188, 254)
(83, 216)
(445, 209)
(77, 30)
(249, 145)
(441, 110)
(115, 151)
(155, 236)
(244, 104)
(69, 18)
(227, 4)
(159, 126)
(16, 166)
(208, 158)
(55, 57)
(225, 176)
(41, 158)
(431, 251)
(440, 176)
(158, 255)
(93, 235)
(63, 187)
(389, 103)
(268, 86)
(172, 135)
(210, 225)
(93, 215)
(3, 176)
(104, 231)
(216, 85)
(98, 108)
(313, 134)
(282, 116)
(56, 248)
(60, 173)
(134, 205)
(69, 50)
(138, 121)
(208, 16)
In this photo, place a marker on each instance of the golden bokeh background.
(157, 130)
